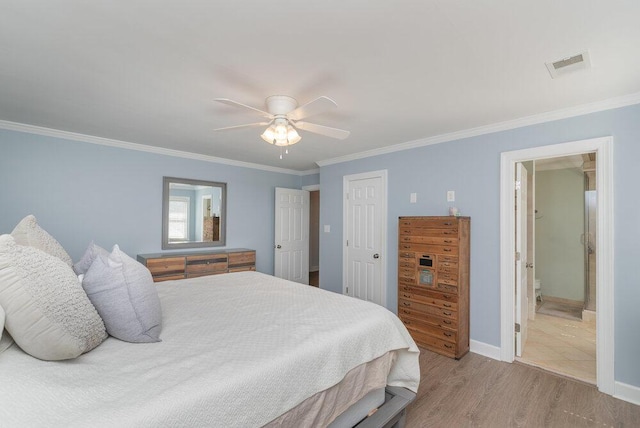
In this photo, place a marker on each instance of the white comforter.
(237, 350)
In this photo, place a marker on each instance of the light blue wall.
(308, 180)
(80, 191)
(471, 167)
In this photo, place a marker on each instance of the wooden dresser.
(433, 282)
(166, 266)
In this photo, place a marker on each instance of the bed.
(241, 349)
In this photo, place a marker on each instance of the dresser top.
(191, 253)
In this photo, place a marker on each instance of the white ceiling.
(147, 71)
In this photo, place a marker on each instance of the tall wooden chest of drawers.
(433, 282)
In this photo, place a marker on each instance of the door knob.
(278, 246)
(376, 256)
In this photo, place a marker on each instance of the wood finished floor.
(480, 392)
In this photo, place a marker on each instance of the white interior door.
(291, 248)
(521, 259)
(365, 224)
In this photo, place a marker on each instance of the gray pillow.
(123, 292)
(83, 265)
(48, 313)
(29, 233)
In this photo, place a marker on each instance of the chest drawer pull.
(446, 322)
(446, 313)
(448, 334)
(447, 250)
(448, 346)
(406, 304)
(408, 296)
(446, 305)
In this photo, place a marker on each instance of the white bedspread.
(237, 350)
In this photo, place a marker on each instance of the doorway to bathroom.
(516, 301)
(560, 264)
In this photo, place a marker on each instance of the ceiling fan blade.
(317, 106)
(340, 134)
(246, 125)
(237, 104)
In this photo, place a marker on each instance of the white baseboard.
(627, 392)
(485, 349)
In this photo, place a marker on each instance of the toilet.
(538, 290)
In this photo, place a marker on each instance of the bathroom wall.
(559, 229)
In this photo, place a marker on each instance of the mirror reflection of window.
(178, 218)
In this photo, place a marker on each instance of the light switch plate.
(451, 196)
(327, 228)
(413, 198)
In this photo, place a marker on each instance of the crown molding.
(551, 116)
(56, 133)
(309, 171)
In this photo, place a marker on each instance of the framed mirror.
(193, 213)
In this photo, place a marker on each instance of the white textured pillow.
(123, 292)
(5, 339)
(83, 265)
(29, 233)
(47, 312)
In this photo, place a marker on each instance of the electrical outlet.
(327, 228)
(451, 196)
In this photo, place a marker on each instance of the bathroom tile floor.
(563, 346)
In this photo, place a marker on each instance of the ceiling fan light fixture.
(292, 135)
(281, 134)
(269, 134)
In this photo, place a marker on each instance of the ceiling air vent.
(573, 63)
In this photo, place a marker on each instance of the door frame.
(382, 174)
(604, 248)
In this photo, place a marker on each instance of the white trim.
(485, 349)
(594, 107)
(383, 244)
(73, 136)
(309, 172)
(311, 187)
(627, 393)
(605, 278)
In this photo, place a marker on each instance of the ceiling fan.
(283, 117)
